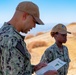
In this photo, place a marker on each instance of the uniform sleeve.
(32, 68)
(47, 56)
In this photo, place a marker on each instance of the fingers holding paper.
(39, 66)
(51, 72)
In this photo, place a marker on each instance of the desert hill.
(38, 44)
(72, 27)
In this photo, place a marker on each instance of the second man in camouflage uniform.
(58, 50)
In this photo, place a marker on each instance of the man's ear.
(24, 16)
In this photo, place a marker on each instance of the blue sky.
(51, 11)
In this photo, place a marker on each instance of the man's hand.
(51, 72)
(39, 66)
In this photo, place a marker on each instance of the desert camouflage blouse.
(14, 57)
(52, 53)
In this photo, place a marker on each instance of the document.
(54, 65)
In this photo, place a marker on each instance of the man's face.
(62, 38)
(28, 24)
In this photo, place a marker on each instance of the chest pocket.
(54, 54)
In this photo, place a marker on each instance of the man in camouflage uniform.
(58, 50)
(14, 56)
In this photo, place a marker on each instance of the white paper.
(54, 65)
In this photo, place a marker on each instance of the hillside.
(72, 27)
(37, 51)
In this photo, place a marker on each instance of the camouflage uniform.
(52, 53)
(14, 57)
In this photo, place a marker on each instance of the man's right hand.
(51, 72)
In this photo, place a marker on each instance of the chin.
(26, 32)
(64, 42)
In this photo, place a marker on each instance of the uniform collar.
(57, 48)
(23, 37)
